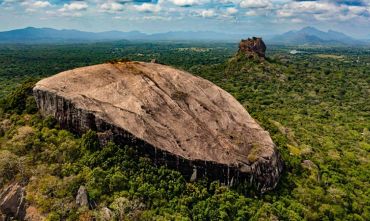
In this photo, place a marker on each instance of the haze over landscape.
(307, 35)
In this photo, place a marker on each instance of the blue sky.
(258, 17)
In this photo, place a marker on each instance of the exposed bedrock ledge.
(256, 162)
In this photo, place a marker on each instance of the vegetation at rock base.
(19, 101)
(315, 108)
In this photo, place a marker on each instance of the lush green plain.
(315, 106)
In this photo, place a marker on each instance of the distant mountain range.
(49, 35)
(313, 36)
(305, 36)
(40, 35)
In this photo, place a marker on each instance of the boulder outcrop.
(177, 119)
(81, 198)
(252, 46)
(12, 202)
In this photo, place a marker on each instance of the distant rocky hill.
(313, 36)
(175, 118)
(252, 46)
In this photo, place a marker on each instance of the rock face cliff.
(177, 119)
(253, 46)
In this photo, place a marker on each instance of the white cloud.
(311, 7)
(284, 13)
(31, 6)
(251, 13)
(231, 11)
(41, 4)
(112, 6)
(255, 3)
(358, 10)
(207, 13)
(148, 7)
(157, 18)
(188, 2)
(320, 11)
(74, 6)
(228, 2)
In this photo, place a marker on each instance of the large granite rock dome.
(178, 119)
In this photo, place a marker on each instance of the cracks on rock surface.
(107, 103)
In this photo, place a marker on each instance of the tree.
(21, 100)
(90, 141)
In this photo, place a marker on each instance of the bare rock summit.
(252, 46)
(177, 119)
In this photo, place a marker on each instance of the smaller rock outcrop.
(253, 46)
(12, 202)
(106, 214)
(81, 198)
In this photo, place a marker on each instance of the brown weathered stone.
(252, 46)
(179, 120)
(12, 202)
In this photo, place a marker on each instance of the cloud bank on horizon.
(233, 16)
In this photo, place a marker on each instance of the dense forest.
(314, 103)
